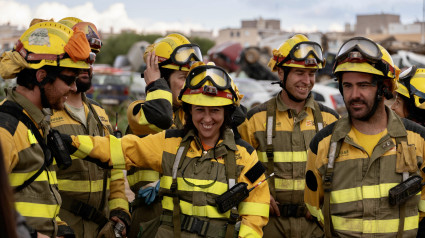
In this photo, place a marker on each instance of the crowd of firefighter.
(198, 162)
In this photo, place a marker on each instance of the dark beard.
(82, 86)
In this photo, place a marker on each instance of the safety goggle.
(95, 43)
(408, 73)
(302, 51)
(219, 79)
(183, 54)
(366, 47)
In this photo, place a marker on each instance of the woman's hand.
(152, 72)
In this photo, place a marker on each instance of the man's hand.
(274, 209)
(152, 72)
(116, 219)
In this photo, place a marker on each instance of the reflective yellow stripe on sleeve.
(316, 212)
(247, 232)
(17, 179)
(143, 121)
(422, 205)
(28, 209)
(217, 188)
(31, 137)
(117, 155)
(374, 226)
(118, 203)
(86, 146)
(159, 94)
(82, 186)
(289, 184)
(143, 175)
(252, 208)
(189, 209)
(117, 174)
(359, 193)
(284, 157)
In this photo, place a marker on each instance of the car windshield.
(105, 79)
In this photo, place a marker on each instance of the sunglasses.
(69, 80)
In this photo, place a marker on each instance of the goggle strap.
(201, 90)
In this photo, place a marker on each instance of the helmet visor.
(366, 47)
(303, 50)
(183, 54)
(217, 76)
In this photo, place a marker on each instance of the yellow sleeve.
(422, 201)
(153, 114)
(124, 152)
(10, 153)
(313, 192)
(255, 209)
(117, 198)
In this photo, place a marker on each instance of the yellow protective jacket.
(84, 181)
(158, 152)
(40, 201)
(359, 205)
(293, 135)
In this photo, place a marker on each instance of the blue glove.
(149, 193)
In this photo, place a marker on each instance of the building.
(8, 36)
(375, 23)
(251, 32)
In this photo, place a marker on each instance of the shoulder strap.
(16, 112)
(270, 134)
(318, 119)
(402, 208)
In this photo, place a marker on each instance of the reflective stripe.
(143, 175)
(289, 184)
(117, 156)
(82, 186)
(316, 212)
(217, 188)
(159, 94)
(284, 157)
(360, 193)
(374, 226)
(189, 209)
(246, 231)
(116, 174)
(17, 179)
(86, 146)
(31, 137)
(28, 209)
(421, 205)
(252, 208)
(118, 202)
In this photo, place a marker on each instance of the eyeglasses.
(184, 54)
(302, 51)
(69, 80)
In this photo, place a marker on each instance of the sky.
(159, 16)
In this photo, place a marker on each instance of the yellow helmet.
(70, 21)
(413, 79)
(91, 33)
(175, 52)
(51, 43)
(209, 85)
(360, 54)
(298, 52)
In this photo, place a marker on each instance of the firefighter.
(46, 61)
(198, 163)
(91, 195)
(167, 66)
(281, 129)
(410, 94)
(354, 163)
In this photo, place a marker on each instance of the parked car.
(330, 97)
(331, 83)
(253, 91)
